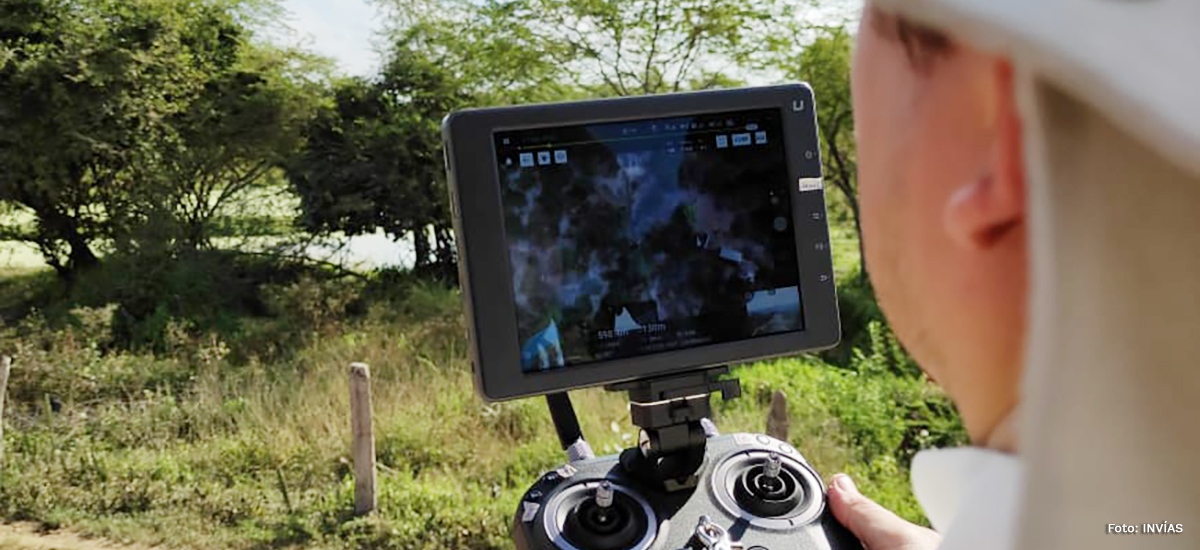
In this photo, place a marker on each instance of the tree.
(247, 121)
(631, 47)
(373, 161)
(603, 47)
(825, 64)
(485, 48)
(122, 121)
(80, 107)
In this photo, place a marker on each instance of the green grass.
(844, 242)
(204, 445)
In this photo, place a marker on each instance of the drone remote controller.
(683, 487)
(753, 492)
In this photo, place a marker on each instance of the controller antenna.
(570, 435)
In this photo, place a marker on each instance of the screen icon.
(760, 137)
(526, 160)
(560, 157)
(722, 141)
(740, 140)
(543, 157)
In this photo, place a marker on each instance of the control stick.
(772, 467)
(608, 520)
(768, 489)
(604, 495)
(604, 502)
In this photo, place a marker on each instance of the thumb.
(874, 525)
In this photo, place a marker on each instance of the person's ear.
(983, 210)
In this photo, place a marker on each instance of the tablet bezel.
(483, 254)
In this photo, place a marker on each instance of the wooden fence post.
(5, 366)
(778, 424)
(363, 448)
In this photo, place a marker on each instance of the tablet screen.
(647, 236)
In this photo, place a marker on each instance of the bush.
(155, 297)
(206, 440)
(73, 364)
(868, 421)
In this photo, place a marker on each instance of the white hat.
(1109, 94)
(1136, 60)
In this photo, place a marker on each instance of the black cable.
(565, 421)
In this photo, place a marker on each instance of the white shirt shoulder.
(970, 496)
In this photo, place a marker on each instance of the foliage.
(867, 422)
(373, 161)
(821, 56)
(246, 123)
(185, 395)
(130, 123)
(87, 86)
(152, 303)
(484, 48)
(195, 447)
(560, 48)
(630, 47)
(825, 64)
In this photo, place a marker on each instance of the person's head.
(942, 193)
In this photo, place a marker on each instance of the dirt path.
(25, 535)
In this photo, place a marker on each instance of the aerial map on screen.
(647, 236)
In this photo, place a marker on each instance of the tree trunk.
(59, 226)
(445, 254)
(862, 251)
(420, 248)
(843, 180)
(81, 257)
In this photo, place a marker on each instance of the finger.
(876, 526)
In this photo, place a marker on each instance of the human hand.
(875, 526)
